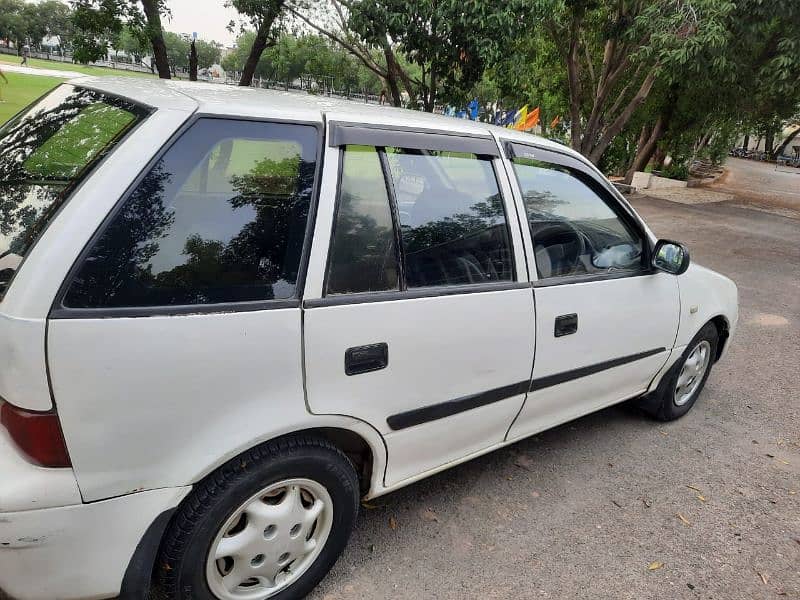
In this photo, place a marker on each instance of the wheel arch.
(368, 458)
(723, 331)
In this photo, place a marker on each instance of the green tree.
(208, 53)
(450, 42)
(264, 17)
(12, 24)
(56, 20)
(98, 23)
(749, 83)
(177, 51)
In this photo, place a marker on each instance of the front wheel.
(269, 524)
(681, 386)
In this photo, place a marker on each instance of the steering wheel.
(564, 246)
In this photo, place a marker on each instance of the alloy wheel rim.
(270, 540)
(692, 372)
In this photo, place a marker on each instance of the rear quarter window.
(45, 153)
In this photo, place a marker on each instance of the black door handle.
(566, 325)
(364, 359)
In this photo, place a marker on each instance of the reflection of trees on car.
(265, 251)
(362, 251)
(120, 260)
(44, 156)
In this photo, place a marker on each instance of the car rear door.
(176, 340)
(418, 316)
(605, 320)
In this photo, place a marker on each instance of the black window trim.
(602, 189)
(59, 311)
(404, 292)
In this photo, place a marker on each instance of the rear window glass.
(44, 153)
(221, 218)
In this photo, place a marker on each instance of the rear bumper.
(78, 552)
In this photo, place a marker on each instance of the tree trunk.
(785, 144)
(193, 62)
(259, 45)
(156, 36)
(391, 78)
(769, 142)
(644, 149)
(613, 130)
(574, 79)
(746, 141)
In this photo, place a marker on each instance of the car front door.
(418, 316)
(605, 321)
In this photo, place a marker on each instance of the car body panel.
(151, 405)
(705, 294)
(65, 552)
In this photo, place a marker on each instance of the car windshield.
(45, 152)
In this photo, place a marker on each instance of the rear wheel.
(681, 386)
(269, 524)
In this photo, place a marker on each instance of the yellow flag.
(522, 114)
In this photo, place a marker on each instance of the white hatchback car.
(228, 315)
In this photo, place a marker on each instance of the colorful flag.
(555, 122)
(522, 114)
(532, 120)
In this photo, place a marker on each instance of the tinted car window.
(220, 218)
(363, 257)
(45, 153)
(452, 218)
(574, 231)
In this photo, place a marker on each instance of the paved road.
(762, 185)
(582, 510)
(42, 72)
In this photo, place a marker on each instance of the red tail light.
(37, 434)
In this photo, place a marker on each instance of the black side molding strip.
(551, 380)
(434, 412)
(452, 407)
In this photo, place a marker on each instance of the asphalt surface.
(710, 502)
(762, 185)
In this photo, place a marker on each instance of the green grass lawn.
(21, 91)
(62, 66)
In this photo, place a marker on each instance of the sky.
(209, 18)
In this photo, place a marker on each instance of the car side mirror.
(671, 257)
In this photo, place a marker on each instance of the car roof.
(229, 100)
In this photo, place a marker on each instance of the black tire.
(180, 569)
(661, 403)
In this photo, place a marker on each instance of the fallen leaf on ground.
(684, 519)
(664, 433)
(429, 515)
(696, 489)
(770, 455)
(369, 506)
(646, 502)
(392, 523)
(654, 566)
(701, 498)
(763, 578)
